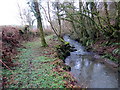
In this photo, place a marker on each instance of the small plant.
(116, 51)
(109, 56)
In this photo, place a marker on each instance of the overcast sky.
(9, 12)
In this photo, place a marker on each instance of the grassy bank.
(38, 68)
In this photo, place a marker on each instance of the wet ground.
(88, 72)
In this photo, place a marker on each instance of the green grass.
(33, 71)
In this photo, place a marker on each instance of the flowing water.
(88, 72)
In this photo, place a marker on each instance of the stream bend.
(88, 72)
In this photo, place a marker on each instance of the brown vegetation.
(10, 41)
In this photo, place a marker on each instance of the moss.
(63, 50)
(67, 43)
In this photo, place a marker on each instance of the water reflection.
(89, 73)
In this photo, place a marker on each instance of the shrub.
(9, 42)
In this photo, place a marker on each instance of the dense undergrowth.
(38, 68)
(11, 39)
(108, 49)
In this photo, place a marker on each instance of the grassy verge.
(38, 68)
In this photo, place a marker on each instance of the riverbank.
(107, 50)
(38, 67)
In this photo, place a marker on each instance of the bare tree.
(117, 22)
(107, 13)
(39, 21)
(26, 16)
(56, 6)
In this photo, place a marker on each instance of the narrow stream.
(89, 73)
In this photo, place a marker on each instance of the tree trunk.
(117, 22)
(107, 16)
(57, 6)
(39, 23)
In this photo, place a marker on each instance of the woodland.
(35, 57)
